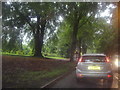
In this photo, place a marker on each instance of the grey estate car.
(94, 66)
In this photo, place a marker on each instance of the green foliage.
(50, 48)
(64, 34)
(90, 33)
(19, 19)
(26, 51)
(59, 43)
(105, 38)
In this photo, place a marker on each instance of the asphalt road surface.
(69, 81)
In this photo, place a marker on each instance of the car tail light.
(107, 59)
(109, 76)
(80, 75)
(80, 60)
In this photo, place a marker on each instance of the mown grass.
(33, 79)
(26, 77)
(13, 54)
(55, 57)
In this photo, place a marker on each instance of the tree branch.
(23, 17)
(86, 21)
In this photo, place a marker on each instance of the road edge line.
(52, 82)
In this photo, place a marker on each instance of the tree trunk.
(118, 27)
(38, 37)
(38, 45)
(38, 41)
(74, 38)
(79, 46)
(84, 48)
(73, 46)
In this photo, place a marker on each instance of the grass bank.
(30, 72)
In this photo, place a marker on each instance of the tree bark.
(118, 27)
(74, 37)
(73, 44)
(38, 37)
(79, 46)
(38, 46)
(84, 48)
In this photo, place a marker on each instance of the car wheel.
(108, 83)
(79, 80)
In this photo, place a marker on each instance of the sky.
(106, 13)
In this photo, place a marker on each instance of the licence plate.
(94, 68)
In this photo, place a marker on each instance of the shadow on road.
(94, 83)
(70, 81)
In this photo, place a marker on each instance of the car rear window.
(93, 59)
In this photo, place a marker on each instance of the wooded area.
(59, 28)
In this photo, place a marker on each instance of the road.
(69, 81)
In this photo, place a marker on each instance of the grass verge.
(31, 72)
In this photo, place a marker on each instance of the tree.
(64, 36)
(80, 27)
(85, 35)
(77, 12)
(107, 38)
(34, 17)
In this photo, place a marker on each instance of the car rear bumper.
(94, 75)
(99, 76)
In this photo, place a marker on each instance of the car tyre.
(79, 80)
(108, 83)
